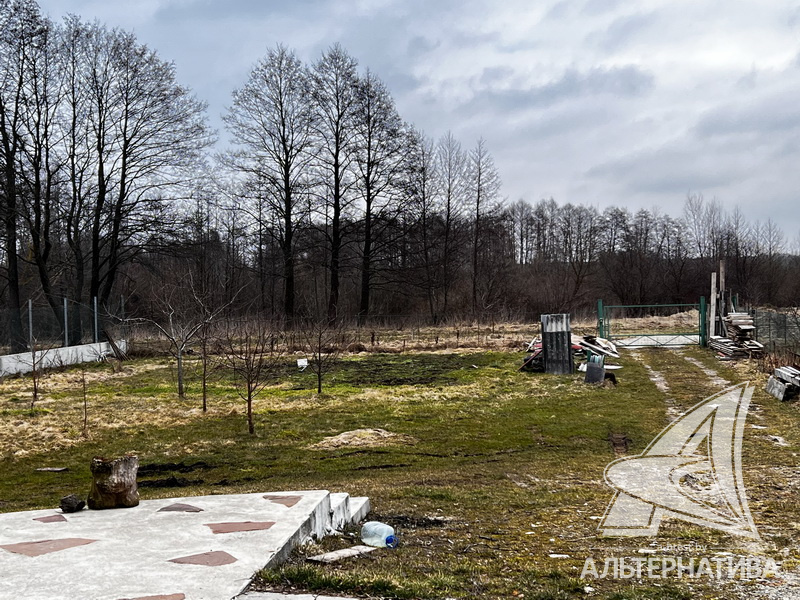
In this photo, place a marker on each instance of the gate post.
(600, 320)
(703, 328)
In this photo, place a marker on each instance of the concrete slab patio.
(190, 548)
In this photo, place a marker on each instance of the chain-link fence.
(66, 324)
(777, 329)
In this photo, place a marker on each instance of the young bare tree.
(271, 120)
(185, 315)
(249, 351)
(324, 342)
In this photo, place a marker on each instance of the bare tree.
(271, 120)
(20, 30)
(324, 342)
(484, 186)
(139, 138)
(184, 315)
(378, 160)
(452, 167)
(39, 160)
(334, 79)
(249, 351)
(422, 186)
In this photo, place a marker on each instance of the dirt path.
(786, 584)
(660, 382)
(712, 375)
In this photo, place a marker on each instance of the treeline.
(97, 139)
(328, 204)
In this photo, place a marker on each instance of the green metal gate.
(638, 325)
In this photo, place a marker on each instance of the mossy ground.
(507, 469)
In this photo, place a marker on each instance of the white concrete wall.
(13, 364)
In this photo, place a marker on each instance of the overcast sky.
(626, 102)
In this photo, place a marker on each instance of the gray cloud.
(771, 119)
(623, 30)
(623, 82)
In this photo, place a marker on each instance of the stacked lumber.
(740, 342)
(736, 348)
(739, 326)
(784, 383)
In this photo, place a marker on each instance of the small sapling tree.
(324, 342)
(250, 353)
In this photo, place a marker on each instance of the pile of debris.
(730, 348)
(740, 329)
(582, 346)
(784, 383)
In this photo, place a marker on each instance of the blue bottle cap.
(391, 541)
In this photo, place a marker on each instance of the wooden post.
(712, 307)
(557, 344)
(723, 306)
(114, 483)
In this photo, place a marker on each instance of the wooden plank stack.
(784, 383)
(739, 342)
(739, 326)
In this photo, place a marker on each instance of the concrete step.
(199, 548)
(340, 511)
(359, 509)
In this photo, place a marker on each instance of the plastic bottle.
(380, 535)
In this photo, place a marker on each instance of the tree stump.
(114, 483)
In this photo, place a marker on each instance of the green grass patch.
(497, 469)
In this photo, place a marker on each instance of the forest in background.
(326, 204)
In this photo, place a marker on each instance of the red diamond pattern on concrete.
(135, 546)
(287, 501)
(206, 559)
(52, 519)
(170, 597)
(242, 526)
(45, 546)
(178, 507)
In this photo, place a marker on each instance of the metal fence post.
(703, 330)
(30, 323)
(96, 324)
(66, 323)
(600, 321)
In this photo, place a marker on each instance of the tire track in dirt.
(713, 376)
(661, 383)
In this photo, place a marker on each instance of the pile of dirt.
(362, 438)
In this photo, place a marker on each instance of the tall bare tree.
(452, 167)
(21, 29)
(484, 187)
(39, 161)
(422, 186)
(271, 120)
(379, 145)
(334, 80)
